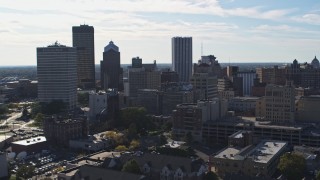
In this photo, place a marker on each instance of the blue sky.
(232, 30)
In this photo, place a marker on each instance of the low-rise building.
(260, 160)
(162, 167)
(160, 120)
(32, 145)
(240, 139)
(94, 172)
(92, 143)
(243, 104)
(5, 139)
(25, 87)
(59, 130)
(307, 109)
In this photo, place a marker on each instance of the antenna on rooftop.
(201, 49)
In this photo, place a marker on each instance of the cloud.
(4, 31)
(208, 7)
(313, 19)
(268, 28)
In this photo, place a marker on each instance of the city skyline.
(232, 30)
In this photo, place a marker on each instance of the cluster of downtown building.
(275, 105)
(275, 96)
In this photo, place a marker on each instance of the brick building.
(59, 130)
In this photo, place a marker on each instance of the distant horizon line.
(170, 63)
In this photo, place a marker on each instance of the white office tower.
(57, 74)
(182, 57)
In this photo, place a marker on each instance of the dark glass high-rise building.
(111, 72)
(83, 40)
(182, 57)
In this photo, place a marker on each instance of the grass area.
(13, 177)
(32, 125)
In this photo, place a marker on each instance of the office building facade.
(182, 57)
(278, 105)
(205, 83)
(111, 72)
(247, 79)
(83, 40)
(57, 74)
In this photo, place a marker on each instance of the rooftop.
(262, 153)
(228, 153)
(239, 134)
(266, 150)
(104, 155)
(31, 141)
(4, 137)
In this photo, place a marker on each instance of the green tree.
(134, 144)
(162, 139)
(38, 119)
(13, 105)
(318, 176)
(25, 172)
(35, 109)
(210, 176)
(188, 138)
(292, 166)
(167, 126)
(3, 109)
(121, 148)
(131, 167)
(132, 130)
(25, 112)
(83, 99)
(136, 115)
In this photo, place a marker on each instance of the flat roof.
(31, 141)
(4, 137)
(228, 153)
(104, 155)
(266, 150)
(262, 153)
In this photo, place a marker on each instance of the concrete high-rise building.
(278, 104)
(57, 74)
(272, 75)
(83, 39)
(304, 75)
(182, 57)
(205, 83)
(111, 72)
(144, 77)
(208, 64)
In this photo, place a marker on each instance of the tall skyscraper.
(83, 39)
(182, 57)
(57, 74)
(111, 72)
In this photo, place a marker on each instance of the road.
(13, 117)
